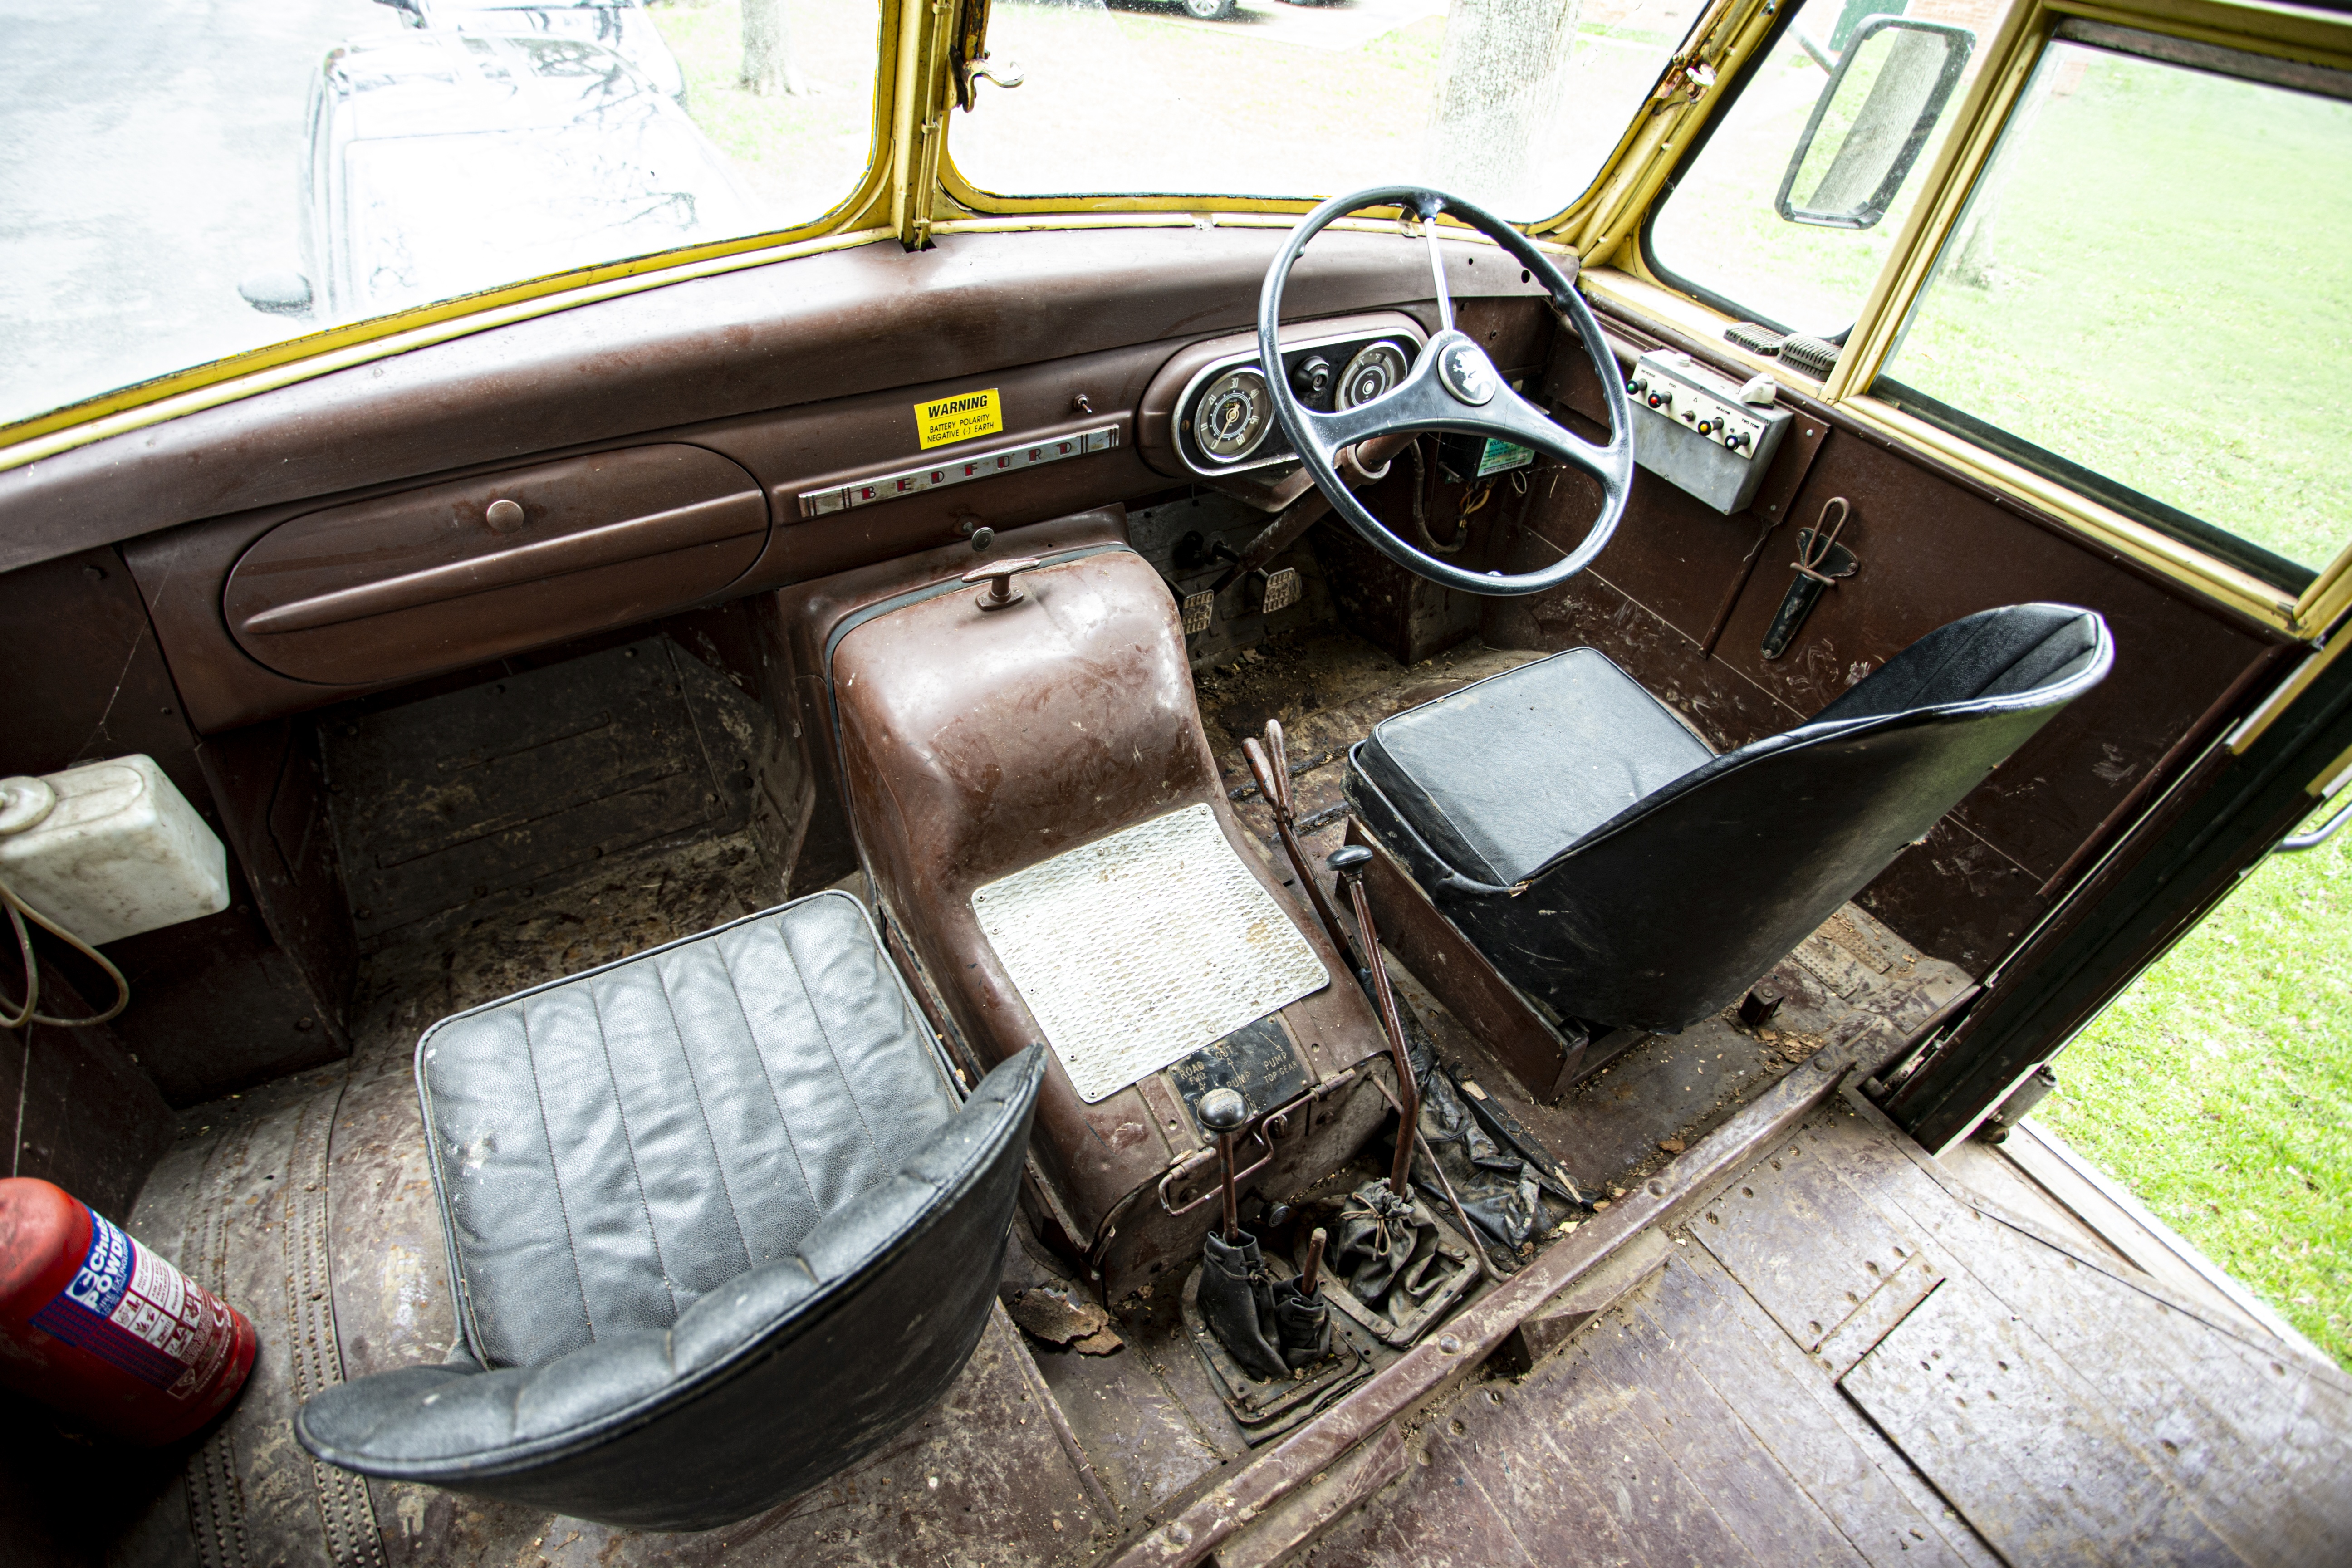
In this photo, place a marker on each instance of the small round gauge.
(1232, 415)
(1371, 374)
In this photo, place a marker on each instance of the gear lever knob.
(1347, 863)
(1222, 1112)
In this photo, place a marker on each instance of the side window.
(1787, 213)
(2147, 295)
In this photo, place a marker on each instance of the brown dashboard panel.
(451, 575)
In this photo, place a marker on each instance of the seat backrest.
(1673, 908)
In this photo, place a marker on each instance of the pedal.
(1276, 591)
(1200, 609)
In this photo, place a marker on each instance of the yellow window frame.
(1616, 270)
(911, 191)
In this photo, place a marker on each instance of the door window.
(2149, 296)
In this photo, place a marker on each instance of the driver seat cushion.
(1502, 775)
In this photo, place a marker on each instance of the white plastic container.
(109, 849)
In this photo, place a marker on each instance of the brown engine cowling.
(973, 742)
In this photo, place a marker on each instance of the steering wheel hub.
(1465, 369)
(1452, 387)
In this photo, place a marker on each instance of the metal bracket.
(1271, 1129)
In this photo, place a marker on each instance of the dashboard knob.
(1313, 378)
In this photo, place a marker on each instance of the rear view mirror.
(1888, 89)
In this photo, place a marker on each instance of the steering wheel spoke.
(1513, 418)
(1453, 387)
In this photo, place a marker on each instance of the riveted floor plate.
(1138, 949)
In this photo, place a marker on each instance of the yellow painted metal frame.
(912, 191)
(865, 214)
(968, 208)
(2010, 57)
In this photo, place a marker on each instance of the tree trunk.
(768, 68)
(1501, 77)
(1976, 264)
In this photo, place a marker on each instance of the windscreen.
(187, 181)
(1513, 104)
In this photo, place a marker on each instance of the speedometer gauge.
(1372, 373)
(1232, 415)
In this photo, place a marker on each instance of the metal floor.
(1844, 1353)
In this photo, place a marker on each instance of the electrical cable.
(24, 804)
(13, 1017)
(1421, 513)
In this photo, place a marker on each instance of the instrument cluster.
(1225, 418)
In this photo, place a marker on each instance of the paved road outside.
(148, 158)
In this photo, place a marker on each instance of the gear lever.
(1222, 1112)
(1235, 1293)
(1348, 864)
(1272, 772)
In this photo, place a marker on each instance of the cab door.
(2056, 301)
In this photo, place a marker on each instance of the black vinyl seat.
(716, 1223)
(1592, 849)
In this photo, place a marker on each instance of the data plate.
(1138, 949)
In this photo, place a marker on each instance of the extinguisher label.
(130, 1307)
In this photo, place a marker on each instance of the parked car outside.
(440, 162)
(621, 26)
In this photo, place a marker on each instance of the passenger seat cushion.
(448, 1423)
(1501, 777)
(612, 1148)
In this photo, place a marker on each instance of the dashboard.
(609, 464)
(1226, 420)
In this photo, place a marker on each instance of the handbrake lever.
(1273, 777)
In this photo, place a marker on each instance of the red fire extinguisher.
(104, 1329)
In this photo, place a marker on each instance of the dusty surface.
(1848, 1357)
(1053, 1446)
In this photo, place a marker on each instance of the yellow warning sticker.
(959, 418)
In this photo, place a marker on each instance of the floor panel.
(1996, 1393)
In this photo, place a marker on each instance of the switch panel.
(1693, 427)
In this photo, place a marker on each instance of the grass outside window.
(2218, 1087)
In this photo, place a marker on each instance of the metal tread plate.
(1135, 950)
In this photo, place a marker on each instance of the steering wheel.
(1453, 386)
